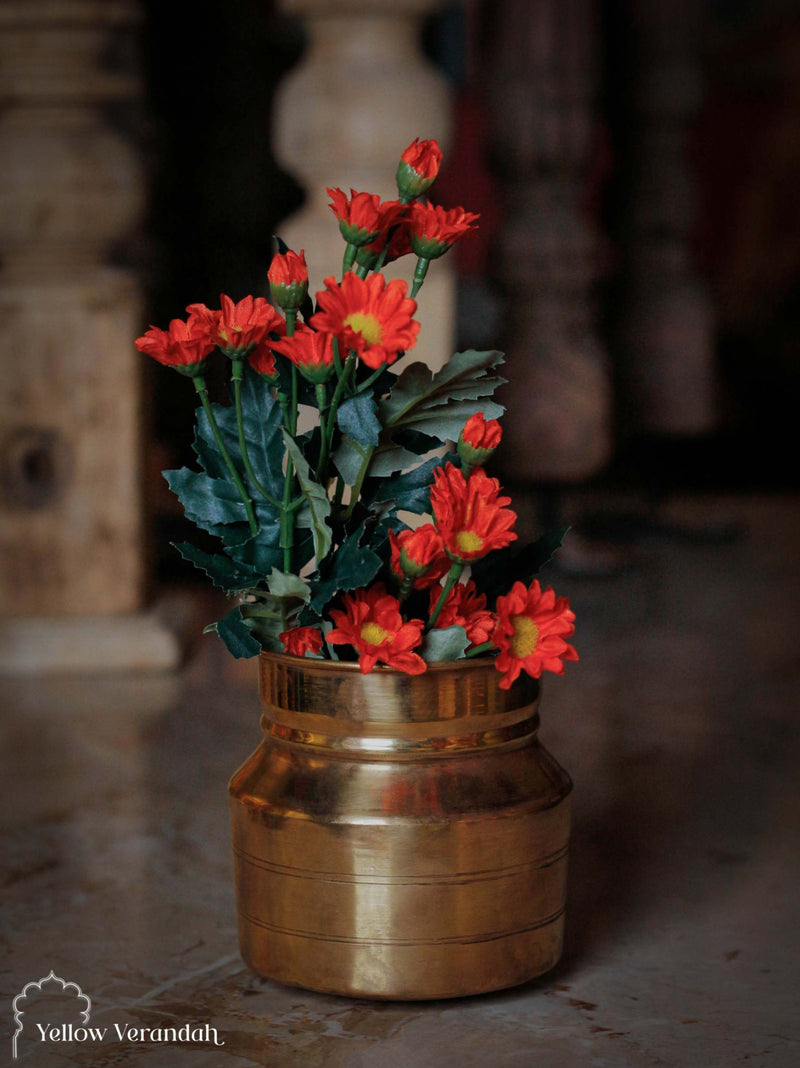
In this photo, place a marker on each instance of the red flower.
(369, 316)
(530, 632)
(478, 440)
(311, 351)
(399, 245)
(418, 167)
(263, 362)
(470, 515)
(466, 608)
(301, 640)
(288, 279)
(238, 328)
(433, 229)
(370, 621)
(363, 217)
(418, 554)
(185, 346)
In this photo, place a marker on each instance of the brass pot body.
(399, 837)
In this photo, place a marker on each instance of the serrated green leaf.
(411, 491)
(357, 419)
(237, 635)
(222, 571)
(280, 584)
(262, 421)
(208, 502)
(352, 566)
(440, 404)
(445, 643)
(496, 573)
(316, 498)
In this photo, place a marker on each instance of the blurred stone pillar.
(540, 65)
(71, 538)
(360, 94)
(666, 325)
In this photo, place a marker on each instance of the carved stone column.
(540, 63)
(71, 539)
(667, 322)
(361, 93)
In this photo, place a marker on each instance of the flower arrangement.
(313, 540)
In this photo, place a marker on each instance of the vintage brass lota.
(399, 836)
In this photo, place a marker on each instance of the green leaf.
(357, 419)
(316, 497)
(262, 421)
(352, 566)
(222, 571)
(387, 461)
(348, 459)
(236, 634)
(283, 585)
(208, 502)
(440, 404)
(496, 573)
(411, 491)
(445, 643)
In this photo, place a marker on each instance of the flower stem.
(359, 482)
(479, 649)
(237, 372)
(322, 403)
(202, 392)
(453, 575)
(419, 275)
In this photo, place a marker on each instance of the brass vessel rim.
(351, 667)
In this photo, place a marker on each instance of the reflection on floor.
(679, 727)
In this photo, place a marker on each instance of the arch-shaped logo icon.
(22, 996)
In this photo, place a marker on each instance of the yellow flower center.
(468, 541)
(526, 636)
(367, 325)
(373, 634)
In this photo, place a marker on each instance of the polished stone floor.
(679, 727)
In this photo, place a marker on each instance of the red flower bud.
(418, 167)
(288, 279)
(478, 440)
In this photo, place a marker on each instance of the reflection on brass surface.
(399, 836)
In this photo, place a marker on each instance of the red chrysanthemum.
(371, 622)
(369, 316)
(418, 554)
(433, 229)
(418, 167)
(530, 632)
(288, 279)
(185, 346)
(311, 351)
(362, 216)
(466, 608)
(470, 514)
(239, 327)
(301, 640)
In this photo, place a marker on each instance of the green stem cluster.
(202, 392)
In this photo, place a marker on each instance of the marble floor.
(679, 727)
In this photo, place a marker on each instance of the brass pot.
(399, 836)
